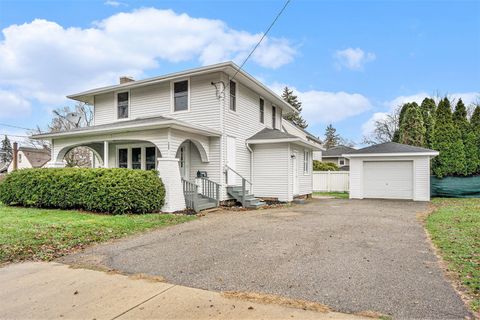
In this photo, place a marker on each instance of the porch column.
(169, 172)
(105, 154)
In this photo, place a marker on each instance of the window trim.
(307, 163)
(230, 96)
(129, 109)
(261, 110)
(172, 95)
(143, 154)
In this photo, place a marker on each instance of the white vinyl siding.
(420, 175)
(305, 181)
(271, 163)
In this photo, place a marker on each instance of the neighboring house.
(31, 158)
(335, 155)
(291, 128)
(193, 123)
(4, 167)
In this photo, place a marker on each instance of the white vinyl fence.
(329, 181)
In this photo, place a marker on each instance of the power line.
(13, 126)
(258, 43)
(13, 135)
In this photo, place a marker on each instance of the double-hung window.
(233, 96)
(137, 157)
(122, 105)
(180, 95)
(306, 161)
(262, 110)
(274, 117)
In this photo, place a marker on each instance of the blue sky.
(349, 61)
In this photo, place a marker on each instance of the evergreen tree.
(427, 108)
(447, 140)
(403, 110)
(6, 150)
(472, 153)
(292, 99)
(475, 126)
(332, 138)
(468, 138)
(460, 118)
(412, 130)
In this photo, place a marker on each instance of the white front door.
(295, 173)
(183, 156)
(388, 179)
(231, 160)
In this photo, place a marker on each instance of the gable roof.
(392, 148)
(228, 67)
(337, 151)
(308, 134)
(37, 157)
(268, 135)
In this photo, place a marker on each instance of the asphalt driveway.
(350, 255)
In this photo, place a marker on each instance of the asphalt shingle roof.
(390, 147)
(337, 151)
(271, 134)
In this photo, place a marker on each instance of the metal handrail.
(238, 174)
(244, 184)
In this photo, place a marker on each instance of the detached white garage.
(390, 171)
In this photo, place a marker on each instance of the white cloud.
(114, 3)
(323, 107)
(43, 60)
(468, 98)
(353, 59)
(13, 105)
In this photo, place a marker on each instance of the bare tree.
(385, 129)
(65, 119)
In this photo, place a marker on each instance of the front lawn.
(337, 195)
(42, 234)
(455, 229)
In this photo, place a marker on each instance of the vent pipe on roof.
(125, 79)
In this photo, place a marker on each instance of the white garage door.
(388, 179)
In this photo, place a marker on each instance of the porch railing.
(190, 191)
(244, 183)
(210, 189)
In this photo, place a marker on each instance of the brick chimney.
(125, 79)
(15, 156)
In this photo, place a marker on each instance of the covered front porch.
(177, 150)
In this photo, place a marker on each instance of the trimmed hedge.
(324, 166)
(115, 191)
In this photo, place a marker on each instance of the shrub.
(324, 166)
(115, 191)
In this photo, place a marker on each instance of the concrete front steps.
(249, 202)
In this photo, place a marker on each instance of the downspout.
(251, 165)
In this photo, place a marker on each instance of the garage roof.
(391, 148)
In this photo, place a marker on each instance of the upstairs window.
(274, 117)
(233, 96)
(122, 105)
(180, 96)
(262, 111)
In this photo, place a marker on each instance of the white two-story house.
(213, 133)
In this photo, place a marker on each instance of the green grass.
(42, 234)
(455, 229)
(337, 195)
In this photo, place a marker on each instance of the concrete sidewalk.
(36, 290)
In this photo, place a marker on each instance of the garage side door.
(388, 179)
